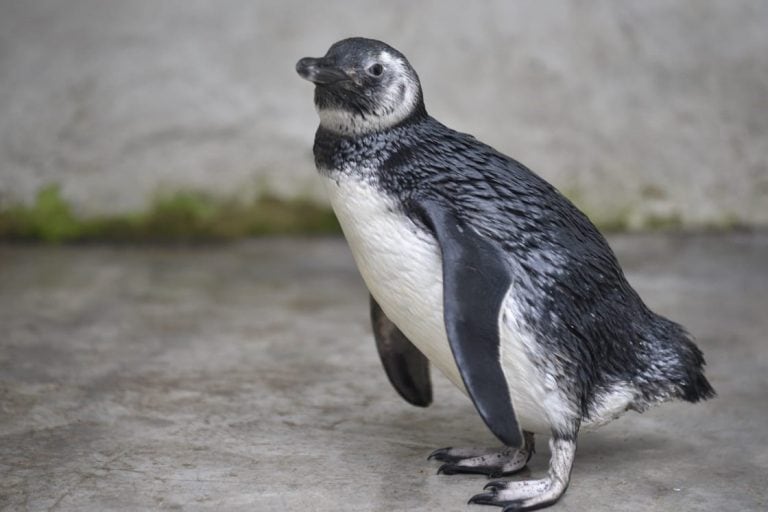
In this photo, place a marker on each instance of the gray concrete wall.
(636, 109)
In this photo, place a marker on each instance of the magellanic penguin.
(479, 266)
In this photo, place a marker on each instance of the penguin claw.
(452, 469)
(496, 485)
(484, 498)
(451, 454)
(440, 454)
(456, 469)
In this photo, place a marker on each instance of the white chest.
(402, 267)
(399, 263)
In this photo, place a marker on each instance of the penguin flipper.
(475, 281)
(407, 368)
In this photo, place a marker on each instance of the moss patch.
(617, 224)
(652, 192)
(668, 222)
(201, 217)
(619, 220)
(180, 217)
(615, 221)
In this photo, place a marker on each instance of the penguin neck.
(335, 151)
(350, 121)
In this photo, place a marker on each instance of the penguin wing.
(407, 368)
(476, 278)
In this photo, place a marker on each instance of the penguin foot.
(533, 494)
(486, 461)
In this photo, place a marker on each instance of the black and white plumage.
(477, 265)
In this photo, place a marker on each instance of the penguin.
(478, 266)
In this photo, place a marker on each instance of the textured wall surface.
(638, 110)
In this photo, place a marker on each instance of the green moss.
(621, 220)
(730, 222)
(200, 217)
(652, 192)
(663, 222)
(50, 219)
(180, 217)
(612, 224)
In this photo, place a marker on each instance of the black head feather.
(363, 85)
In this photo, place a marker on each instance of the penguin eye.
(375, 69)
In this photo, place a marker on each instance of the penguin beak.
(320, 71)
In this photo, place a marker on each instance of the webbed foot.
(486, 461)
(533, 494)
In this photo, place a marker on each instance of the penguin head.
(363, 86)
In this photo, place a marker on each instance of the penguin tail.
(694, 386)
(698, 388)
(680, 361)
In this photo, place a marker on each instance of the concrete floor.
(244, 378)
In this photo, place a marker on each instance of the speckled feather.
(574, 295)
